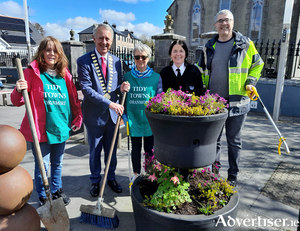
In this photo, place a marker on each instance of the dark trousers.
(233, 129)
(136, 151)
(100, 137)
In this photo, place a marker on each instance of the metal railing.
(7, 59)
(270, 53)
(127, 59)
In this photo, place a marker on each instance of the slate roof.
(12, 30)
(89, 30)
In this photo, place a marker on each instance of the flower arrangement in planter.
(185, 123)
(172, 196)
(178, 102)
(164, 190)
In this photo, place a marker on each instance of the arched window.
(256, 19)
(225, 4)
(196, 18)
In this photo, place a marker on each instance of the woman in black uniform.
(180, 73)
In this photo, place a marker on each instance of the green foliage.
(211, 189)
(172, 190)
(222, 202)
(206, 209)
(180, 103)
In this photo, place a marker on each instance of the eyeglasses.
(137, 57)
(220, 21)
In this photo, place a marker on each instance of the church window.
(225, 4)
(196, 18)
(256, 19)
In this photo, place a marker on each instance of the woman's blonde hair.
(62, 62)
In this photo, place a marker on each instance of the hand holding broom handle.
(33, 130)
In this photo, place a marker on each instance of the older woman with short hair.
(145, 83)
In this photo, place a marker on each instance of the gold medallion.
(107, 96)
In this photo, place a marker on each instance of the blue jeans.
(53, 153)
(233, 127)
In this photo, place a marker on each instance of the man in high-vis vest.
(230, 66)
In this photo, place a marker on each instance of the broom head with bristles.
(99, 216)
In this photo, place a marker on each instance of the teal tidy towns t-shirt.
(140, 92)
(58, 112)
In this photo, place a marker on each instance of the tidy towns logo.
(255, 222)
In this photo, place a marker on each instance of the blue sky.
(58, 17)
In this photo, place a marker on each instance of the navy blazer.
(95, 105)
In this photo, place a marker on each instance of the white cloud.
(59, 32)
(79, 22)
(134, 1)
(124, 21)
(62, 31)
(142, 28)
(113, 16)
(13, 9)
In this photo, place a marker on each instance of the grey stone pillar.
(162, 45)
(73, 50)
(89, 45)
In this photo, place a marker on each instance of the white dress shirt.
(182, 69)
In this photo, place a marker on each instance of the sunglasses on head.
(137, 57)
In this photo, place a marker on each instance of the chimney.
(114, 25)
(105, 22)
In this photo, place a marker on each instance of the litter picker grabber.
(281, 138)
(129, 154)
(53, 213)
(99, 215)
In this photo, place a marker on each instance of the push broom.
(99, 215)
(281, 138)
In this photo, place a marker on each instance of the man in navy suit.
(100, 78)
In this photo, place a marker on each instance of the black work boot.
(60, 193)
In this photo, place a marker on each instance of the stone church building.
(257, 19)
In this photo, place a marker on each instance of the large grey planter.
(147, 219)
(185, 142)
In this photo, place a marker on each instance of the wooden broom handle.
(111, 149)
(33, 130)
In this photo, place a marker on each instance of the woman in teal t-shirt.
(144, 83)
(56, 110)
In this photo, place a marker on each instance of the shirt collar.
(99, 56)
(182, 69)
